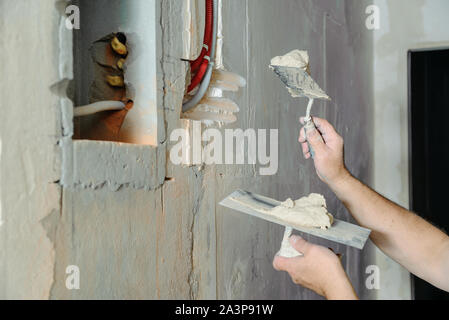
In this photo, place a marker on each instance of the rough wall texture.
(340, 50)
(170, 239)
(29, 130)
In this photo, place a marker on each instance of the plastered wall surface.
(330, 32)
(29, 130)
(405, 25)
(144, 236)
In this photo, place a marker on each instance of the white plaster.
(287, 250)
(294, 59)
(193, 20)
(187, 35)
(310, 211)
(220, 38)
(295, 66)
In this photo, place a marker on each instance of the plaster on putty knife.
(293, 70)
(253, 204)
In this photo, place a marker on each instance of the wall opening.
(429, 138)
(115, 59)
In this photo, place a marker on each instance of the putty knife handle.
(310, 125)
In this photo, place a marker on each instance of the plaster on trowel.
(255, 205)
(293, 70)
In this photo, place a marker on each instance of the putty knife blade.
(253, 204)
(299, 82)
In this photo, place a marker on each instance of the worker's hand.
(328, 147)
(319, 269)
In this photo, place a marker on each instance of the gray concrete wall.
(169, 239)
(340, 50)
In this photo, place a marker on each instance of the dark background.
(429, 146)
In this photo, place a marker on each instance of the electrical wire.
(207, 38)
(199, 66)
(208, 75)
(98, 107)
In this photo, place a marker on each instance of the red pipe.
(207, 39)
(199, 76)
(200, 64)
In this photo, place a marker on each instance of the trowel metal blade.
(299, 82)
(253, 204)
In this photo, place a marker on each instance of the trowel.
(293, 70)
(255, 205)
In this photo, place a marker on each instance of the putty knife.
(253, 204)
(300, 84)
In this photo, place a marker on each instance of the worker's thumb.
(315, 139)
(299, 244)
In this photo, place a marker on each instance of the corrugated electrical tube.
(207, 77)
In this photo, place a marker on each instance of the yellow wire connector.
(120, 63)
(115, 81)
(118, 47)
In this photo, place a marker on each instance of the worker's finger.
(299, 244)
(285, 264)
(304, 145)
(305, 150)
(279, 263)
(323, 126)
(326, 129)
(302, 135)
(307, 156)
(315, 140)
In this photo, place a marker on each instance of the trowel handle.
(310, 125)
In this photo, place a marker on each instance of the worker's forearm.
(405, 237)
(369, 208)
(402, 235)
